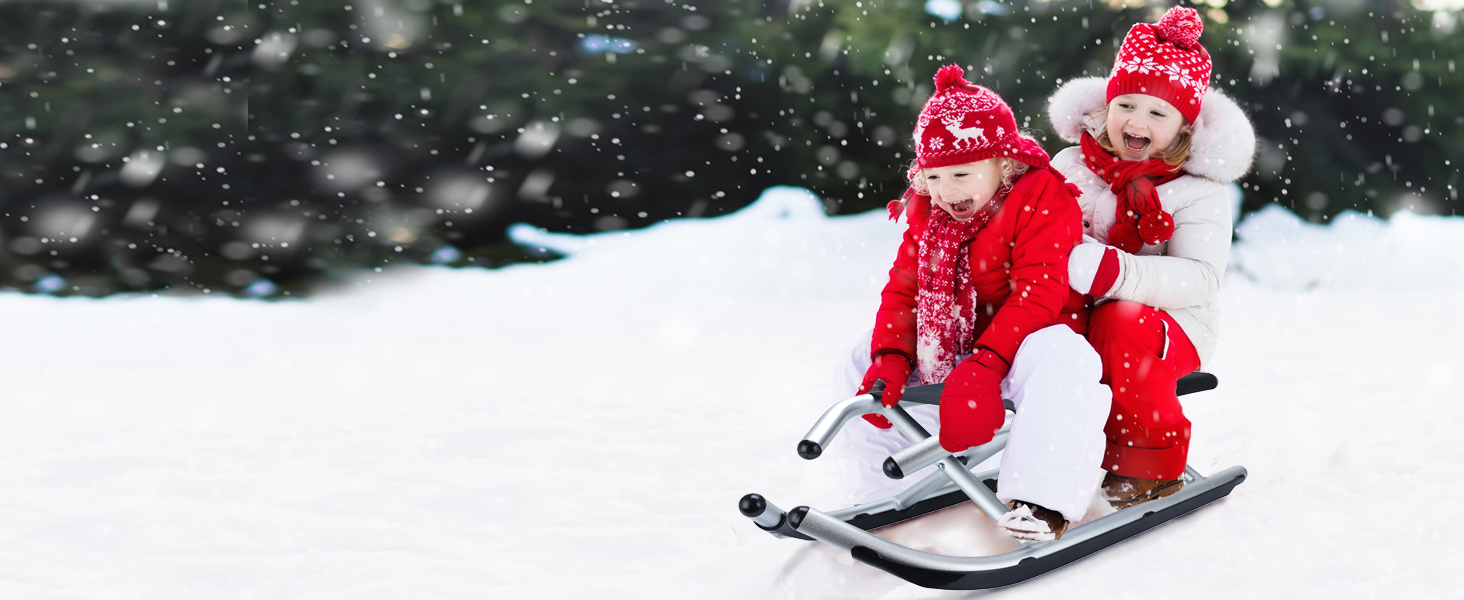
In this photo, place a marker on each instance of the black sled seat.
(1189, 384)
(952, 484)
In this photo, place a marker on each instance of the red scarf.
(1141, 219)
(945, 326)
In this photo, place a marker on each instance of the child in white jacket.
(1156, 148)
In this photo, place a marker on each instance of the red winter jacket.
(1019, 267)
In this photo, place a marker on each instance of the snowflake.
(1176, 73)
(936, 143)
(1139, 65)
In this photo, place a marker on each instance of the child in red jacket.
(978, 298)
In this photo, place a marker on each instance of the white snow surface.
(1354, 252)
(584, 428)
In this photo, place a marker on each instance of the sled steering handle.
(929, 451)
(835, 417)
(828, 425)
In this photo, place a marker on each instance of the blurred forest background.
(266, 149)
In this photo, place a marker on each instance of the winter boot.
(1123, 492)
(1027, 521)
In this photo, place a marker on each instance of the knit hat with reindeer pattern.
(964, 123)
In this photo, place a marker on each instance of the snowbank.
(1354, 252)
(584, 428)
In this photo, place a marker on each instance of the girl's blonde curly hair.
(1011, 170)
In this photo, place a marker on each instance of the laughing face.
(1140, 125)
(961, 190)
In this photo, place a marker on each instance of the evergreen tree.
(262, 149)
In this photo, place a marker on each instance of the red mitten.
(894, 370)
(970, 405)
(1093, 269)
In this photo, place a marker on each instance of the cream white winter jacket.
(1181, 276)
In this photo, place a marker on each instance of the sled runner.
(952, 483)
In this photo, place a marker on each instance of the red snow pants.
(1144, 353)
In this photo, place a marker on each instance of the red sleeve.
(1048, 227)
(894, 324)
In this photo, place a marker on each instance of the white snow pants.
(1054, 452)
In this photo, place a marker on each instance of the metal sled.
(952, 483)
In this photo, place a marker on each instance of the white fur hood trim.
(1224, 142)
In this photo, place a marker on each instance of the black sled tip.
(892, 469)
(752, 505)
(795, 516)
(809, 449)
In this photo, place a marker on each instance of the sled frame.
(951, 484)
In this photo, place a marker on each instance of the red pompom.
(950, 76)
(1182, 26)
(896, 208)
(1156, 228)
(1125, 236)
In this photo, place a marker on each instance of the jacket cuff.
(896, 352)
(988, 358)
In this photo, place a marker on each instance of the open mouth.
(963, 209)
(1135, 143)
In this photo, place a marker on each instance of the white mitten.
(1094, 269)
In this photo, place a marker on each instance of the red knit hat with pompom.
(964, 122)
(1164, 60)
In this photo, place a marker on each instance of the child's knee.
(1058, 351)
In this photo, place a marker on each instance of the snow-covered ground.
(583, 429)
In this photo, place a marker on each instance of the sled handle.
(764, 513)
(914, 457)
(828, 425)
(904, 423)
(954, 469)
(918, 456)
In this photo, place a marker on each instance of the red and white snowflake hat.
(1164, 60)
(964, 122)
